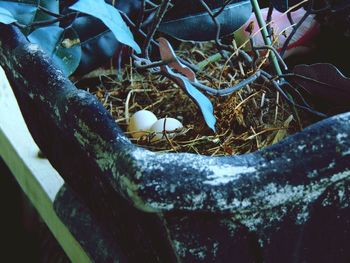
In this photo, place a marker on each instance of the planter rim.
(161, 182)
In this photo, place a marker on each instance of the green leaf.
(6, 17)
(213, 58)
(27, 11)
(203, 103)
(111, 17)
(51, 5)
(24, 12)
(187, 19)
(62, 45)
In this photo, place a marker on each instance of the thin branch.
(47, 11)
(299, 94)
(269, 18)
(141, 63)
(230, 90)
(268, 77)
(305, 78)
(49, 22)
(290, 18)
(245, 56)
(255, 52)
(323, 9)
(131, 24)
(151, 3)
(295, 29)
(141, 14)
(157, 20)
(309, 11)
(218, 29)
(280, 59)
(143, 34)
(222, 8)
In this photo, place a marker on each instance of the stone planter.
(286, 203)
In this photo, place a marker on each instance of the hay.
(247, 120)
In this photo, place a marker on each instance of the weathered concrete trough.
(286, 203)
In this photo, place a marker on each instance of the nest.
(248, 120)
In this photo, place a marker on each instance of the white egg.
(141, 122)
(171, 124)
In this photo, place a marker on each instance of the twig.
(243, 73)
(309, 11)
(141, 63)
(269, 18)
(141, 14)
(222, 8)
(280, 59)
(49, 22)
(166, 135)
(218, 29)
(276, 109)
(290, 18)
(128, 97)
(298, 93)
(249, 40)
(227, 91)
(151, 4)
(305, 78)
(157, 20)
(268, 77)
(143, 34)
(47, 11)
(295, 29)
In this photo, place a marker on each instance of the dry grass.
(247, 120)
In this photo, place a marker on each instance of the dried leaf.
(282, 132)
(168, 55)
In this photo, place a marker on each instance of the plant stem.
(265, 34)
